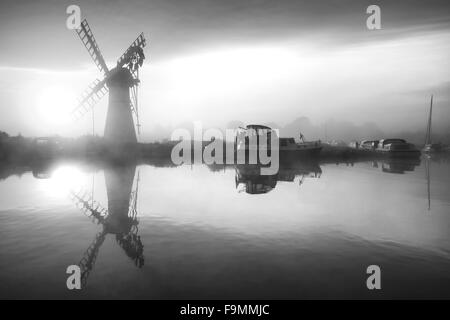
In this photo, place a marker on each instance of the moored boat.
(304, 149)
(397, 148)
(368, 144)
(288, 148)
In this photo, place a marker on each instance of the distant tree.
(234, 124)
(3, 135)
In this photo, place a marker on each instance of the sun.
(54, 105)
(64, 179)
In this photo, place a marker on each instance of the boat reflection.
(248, 178)
(42, 170)
(119, 218)
(396, 166)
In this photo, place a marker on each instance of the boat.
(47, 147)
(288, 148)
(430, 147)
(368, 144)
(397, 148)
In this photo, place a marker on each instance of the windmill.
(122, 84)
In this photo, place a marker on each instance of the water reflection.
(248, 178)
(397, 166)
(118, 218)
(209, 237)
(42, 170)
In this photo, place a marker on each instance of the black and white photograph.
(224, 150)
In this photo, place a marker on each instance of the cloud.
(232, 65)
(440, 91)
(35, 32)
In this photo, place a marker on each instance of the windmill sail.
(96, 91)
(89, 42)
(140, 42)
(87, 262)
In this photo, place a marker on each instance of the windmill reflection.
(42, 170)
(119, 218)
(248, 178)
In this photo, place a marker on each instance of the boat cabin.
(284, 142)
(253, 132)
(369, 144)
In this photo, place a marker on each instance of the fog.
(220, 61)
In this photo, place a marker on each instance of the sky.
(253, 61)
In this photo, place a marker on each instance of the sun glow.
(234, 70)
(54, 105)
(219, 78)
(63, 180)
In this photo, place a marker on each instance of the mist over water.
(309, 231)
(233, 150)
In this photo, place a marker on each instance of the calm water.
(213, 232)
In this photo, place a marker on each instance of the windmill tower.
(122, 84)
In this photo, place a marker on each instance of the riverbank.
(21, 150)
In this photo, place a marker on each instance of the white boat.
(288, 147)
(397, 148)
